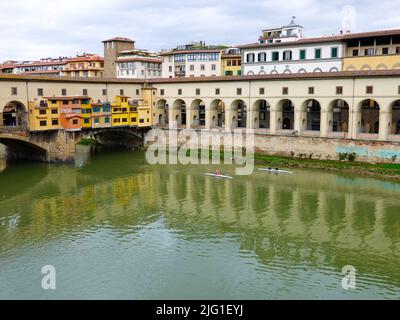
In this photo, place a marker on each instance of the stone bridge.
(60, 145)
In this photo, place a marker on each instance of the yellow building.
(133, 112)
(86, 110)
(85, 66)
(44, 115)
(231, 62)
(372, 51)
(146, 110)
(120, 112)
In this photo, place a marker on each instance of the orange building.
(85, 66)
(71, 110)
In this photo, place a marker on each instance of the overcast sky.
(32, 29)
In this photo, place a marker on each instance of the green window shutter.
(317, 53)
(302, 54)
(239, 73)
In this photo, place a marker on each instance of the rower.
(217, 172)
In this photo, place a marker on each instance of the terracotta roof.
(68, 98)
(86, 58)
(333, 38)
(138, 59)
(122, 39)
(168, 53)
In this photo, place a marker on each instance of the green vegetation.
(88, 142)
(384, 170)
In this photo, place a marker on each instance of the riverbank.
(377, 170)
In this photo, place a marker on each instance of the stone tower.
(112, 47)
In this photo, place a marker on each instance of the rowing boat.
(218, 176)
(276, 171)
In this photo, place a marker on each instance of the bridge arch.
(162, 112)
(217, 113)
(239, 114)
(19, 147)
(180, 112)
(198, 113)
(261, 114)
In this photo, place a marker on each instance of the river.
(115, 227)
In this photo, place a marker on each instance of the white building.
(192, 60)
(138, 64)
(284, 50)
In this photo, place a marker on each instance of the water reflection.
(319, 221)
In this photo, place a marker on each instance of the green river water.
(115, 227)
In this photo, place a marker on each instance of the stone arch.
(22, 148)
(285, 115)
(217, 107)
(317, 70)
(369, 116)
(351, 68)
(262, 72)
(15, 114)
(262, 114)
(396, 66)
(333, 69)
(198, 114)
(311, 119)
(381, 66)
(239, 113)
(338, 118)
(250, 73)
(287, 71)
(302, 70)
(274, 72)
(366, 67)
(395, 117)
(162, 111)
(180, 112)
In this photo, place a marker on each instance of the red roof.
(138, 59)
(89, 57)
(168, 53)
(68, 98)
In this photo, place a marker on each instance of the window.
(121, 92)
(369, 52)
(14, 91)
(275, 56)
(162, 92)
(285, 90)
(355, 53)
(54, 122)
(191, 67)
(40, 92)
(218, 91)
(262, 90)
(107, 120)
(397, 50)
(197, 92)
(141, 121)
(124, 120)
(398, 89)
(369, 90)
(116, 120)
(262, 57)
(86, 121)
(63, 92)
(310, 90)
(96, 120)
(385, 50)
(179, 92)
(250, 58)
(54, 111)
(133, 119)
(334, 52)
(302, 54)
(65, 102)
(85, 92)
(239, 91)
(317, 53)
(239, 73)
(137, 92)
(213, 67)
(287, 55)
(229, 73)
(42, 111)
(104, 92)
(339, 90)
(170, 68)
(202, 67)
(43, 123)
(75, 121)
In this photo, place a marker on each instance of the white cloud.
(31, 29)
